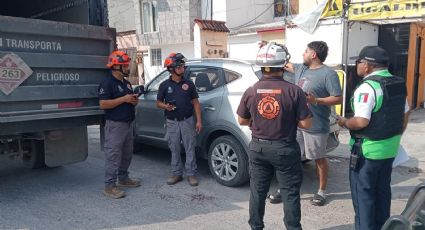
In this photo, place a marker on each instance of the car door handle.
(209, 108)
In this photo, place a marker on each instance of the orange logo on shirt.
(268, 107)
(185, 86)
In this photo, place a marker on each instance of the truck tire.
(228, 161)
(34, 156)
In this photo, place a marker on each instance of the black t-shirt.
(275, 106)
(180, 94)
(111, 88)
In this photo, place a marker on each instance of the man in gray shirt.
(321, 85)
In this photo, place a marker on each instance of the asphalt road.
(69, 197)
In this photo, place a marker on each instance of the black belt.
(128, 122)
(263, 140)
(268, 141)
(179, 118)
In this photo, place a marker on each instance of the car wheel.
(228, 161)
(33, 156)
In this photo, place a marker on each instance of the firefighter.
(116, 97)
(273, 109)
(177, 96)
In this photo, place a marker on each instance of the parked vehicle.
(220, 84)
(413, 215)
(52, 59)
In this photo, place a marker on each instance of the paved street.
(69, 197)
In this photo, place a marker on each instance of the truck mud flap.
(65, 146)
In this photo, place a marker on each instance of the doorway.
(415, 71)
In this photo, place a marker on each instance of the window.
(280, 7)
(154, 84)
(156, 57)
(205, 78)
(149, 16)
(283, 8)
(230, 76)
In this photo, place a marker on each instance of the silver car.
(223, 142)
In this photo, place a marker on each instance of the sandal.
(318, 200)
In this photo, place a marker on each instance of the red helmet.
(118, 57)
(174, 60)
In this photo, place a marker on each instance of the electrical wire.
(247, 23)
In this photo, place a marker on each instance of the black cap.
(373, 54)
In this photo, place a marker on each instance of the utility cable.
(246, 24)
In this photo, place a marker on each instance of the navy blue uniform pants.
(371, 193)
(267, 158)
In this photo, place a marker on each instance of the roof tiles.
(212, 25)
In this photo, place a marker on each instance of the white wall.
(219, 9)
(151, 71)
(121, 15)
(239, 12)
(297, 40)
(360, 35)
(243, 47)
(197, 41)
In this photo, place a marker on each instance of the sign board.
(332, 9)
(13, 71)
(391, 9)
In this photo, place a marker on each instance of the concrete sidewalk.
(413, 142)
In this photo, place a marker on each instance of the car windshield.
(154, 84)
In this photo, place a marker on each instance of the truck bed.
(49, 73)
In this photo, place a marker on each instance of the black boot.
(275, 198)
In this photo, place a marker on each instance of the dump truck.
(52, 58)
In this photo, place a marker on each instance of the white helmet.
(272, 55)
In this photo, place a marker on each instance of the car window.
(230, 76)
(257, 71)
(205, 78)
(154, 84)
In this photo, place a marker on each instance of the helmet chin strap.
(122, 71)
(180, 75)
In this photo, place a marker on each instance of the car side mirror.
(139, 90)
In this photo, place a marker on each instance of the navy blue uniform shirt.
(111, 88)
(180, 94)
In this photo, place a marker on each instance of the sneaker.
(275, 198)
(113, 192)
(174, 180)
(129, 183)
(192, 180)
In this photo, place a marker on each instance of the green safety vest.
(378, 149)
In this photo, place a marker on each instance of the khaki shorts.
(312, 145)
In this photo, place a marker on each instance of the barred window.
(156, 57)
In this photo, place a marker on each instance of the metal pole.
(345, 35)
(211, 9)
